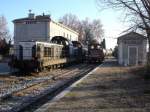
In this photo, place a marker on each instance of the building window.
(64, 34)
(30, 22)
(70, 37)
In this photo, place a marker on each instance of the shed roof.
(131, 35)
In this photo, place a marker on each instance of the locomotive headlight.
(92, 47)
(98, 47)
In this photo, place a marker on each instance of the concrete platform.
(109, 88)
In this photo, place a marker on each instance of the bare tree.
(71, 21)
(4, 32)
(92, 30)
(97, 29)
(88, 30)
(137, 12)
(4, 37)
(74, 23)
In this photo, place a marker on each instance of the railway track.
(23, 84)
(30, 98)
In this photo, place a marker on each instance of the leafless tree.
(4, 37)
(71, 21)
(137, 12)
(4, 32)
(97, 29)
(87, 29)
(92, 30)
(74, 23)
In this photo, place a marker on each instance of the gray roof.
(131, 35)
(36, 18)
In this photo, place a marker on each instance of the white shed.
(132, 49)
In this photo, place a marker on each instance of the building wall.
(123, 48)
(40, 30)
(125, 54)
(57, 29)
(144, 51)
(25, 31)
(120, 53)
(28, 32)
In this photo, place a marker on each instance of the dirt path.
(109, 89)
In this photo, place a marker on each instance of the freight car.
(95, 53)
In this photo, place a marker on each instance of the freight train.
(36, 55)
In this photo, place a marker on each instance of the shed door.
(133, 55)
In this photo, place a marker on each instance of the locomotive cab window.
(47, 52)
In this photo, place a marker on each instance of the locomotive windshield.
(77, 44)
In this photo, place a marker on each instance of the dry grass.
(109, 89)
(141, 71)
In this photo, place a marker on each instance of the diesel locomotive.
(95, 53)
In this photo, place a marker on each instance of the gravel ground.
(10, 83)
(110, 88)
(46, 83)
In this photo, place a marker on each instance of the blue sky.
(13, 9)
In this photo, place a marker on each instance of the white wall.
(57, 29)
(40, 31)
(23, 31)
(28, 32)
(120, 53)
(144, 51)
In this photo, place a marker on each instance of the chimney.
(31, 15)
